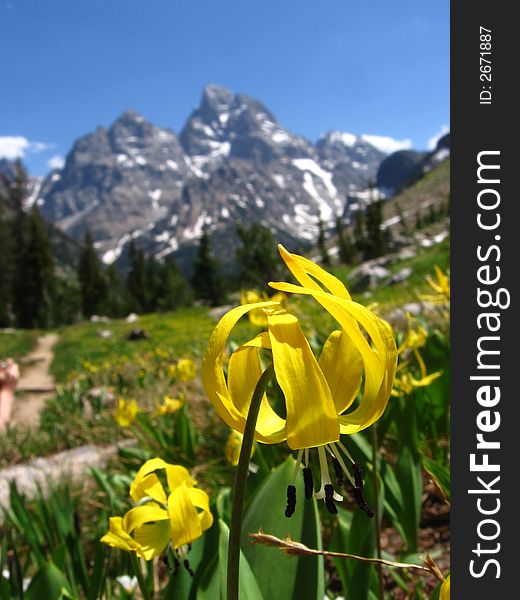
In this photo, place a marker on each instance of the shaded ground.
(36, 384)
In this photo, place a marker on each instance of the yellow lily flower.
(441, 287)
(126, 412)
(416, 335)
(405, 383)
(186, 369)
(169, 406)
(317, 392)
(159, 519)
(258, 316)
(445, 589)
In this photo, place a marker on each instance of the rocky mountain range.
(232, 162)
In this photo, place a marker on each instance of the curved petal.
(147, 513)
(380, 362)
(153, 538)
(302, 267)
(144, 485)
(118, 537)
(311, 415)
(244, 371)
(213, 377)
(200, 499)
(146, 482)
(342, 365)
(177, 475)
(184, 521)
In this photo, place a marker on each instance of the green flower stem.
(376, 510)
(239, 486)
(136, 567)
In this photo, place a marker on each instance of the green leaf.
(355, 533)
(214, 580)
(278, 575)
(49, 583)
(409, 475)
(439, 473)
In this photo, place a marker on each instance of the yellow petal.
(244, 371)
(379, 362)
(213, 377)
(153, 538)
(445, 589)
(311, 415)
(342, 365)
(147, 513)
(117, 537)
(177, 475)
(184, 521)
(144, 485)
(302, 267)
(200, 500)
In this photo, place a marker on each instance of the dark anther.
(186, 564)
(329, 499)
(358, 475)
(291, 501)
(307, 480)
(361, 502)
(176, 564)
(338, 471)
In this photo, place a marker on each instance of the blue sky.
(68, 66)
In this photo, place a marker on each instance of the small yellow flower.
(416, 335)
(176, 516)
(171, 371)
(441, 287)
(126, 412)
(257, 316)
(186, 369)
(445, 589)
(169, 406)
(405, 382)
(233, 447)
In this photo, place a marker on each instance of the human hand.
(9, 374)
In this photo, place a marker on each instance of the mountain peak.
(216, 98)
(340, 137)
(130, 116)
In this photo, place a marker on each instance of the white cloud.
(17, 146)
(387, 144)
(432, 142)
(56, 162)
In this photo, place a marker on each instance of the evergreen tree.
(346, 250)
(136, 282)
(376, 245)
(33, 306)
(174, 290)
(360, 237)
(92, 281)
(206, 279)
(6, 270)
(256, 256)
(117, 303)
(325, 258)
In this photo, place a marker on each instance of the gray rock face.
(116, 181)
(233, 162)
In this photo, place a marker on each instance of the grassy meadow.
(148, 393)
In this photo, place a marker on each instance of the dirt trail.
(36, 384)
